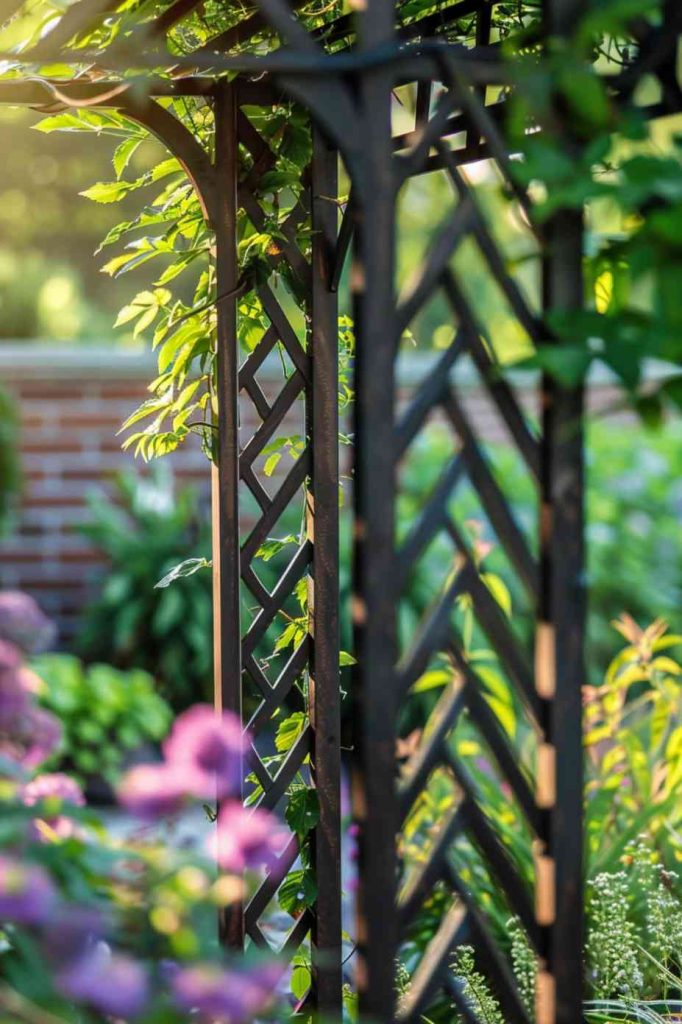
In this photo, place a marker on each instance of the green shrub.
(634, 549)
(106, 714)
(145, 532)
(10, 469)
(633, 824)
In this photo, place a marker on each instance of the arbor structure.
(343, 68)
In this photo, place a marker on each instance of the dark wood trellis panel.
(344, 73)
(309, 487)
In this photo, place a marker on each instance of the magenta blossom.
(229, 996)
(27, 895)
(151, 791)
(22, 622)
(207, 748)
(246, 839)
(111, 983)
(58, 789)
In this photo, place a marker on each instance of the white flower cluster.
(524, 963)
(612, 943)
(475, 988)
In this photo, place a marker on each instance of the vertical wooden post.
(225, 476)
(374, 577)
(323, 530)
(560, 670)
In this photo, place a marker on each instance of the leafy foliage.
(144, 533)
(598, 152)
(10, 468)
(633, 835)
(634, 559)
(106, 715)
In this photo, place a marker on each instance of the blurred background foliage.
(51, 286)
(149, 527)
(634, 506)
(109, 717)
(10, 467)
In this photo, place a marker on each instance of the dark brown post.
(323, 530)
(225, 479)
(374, 598)
(560, 634)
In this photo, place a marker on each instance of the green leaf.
(182, 570)
(289, 731)
(107, 191)
(297, 892)
(123, 154)
(303, 811)
(271, 463)
(498, 588)
(432, 680)
(301, 976)
(274, 545)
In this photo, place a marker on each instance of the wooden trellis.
(344, 73)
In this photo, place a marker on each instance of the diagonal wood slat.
(429, 394)
(416, 773)
(492, 499)
(434, 964)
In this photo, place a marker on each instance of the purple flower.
(71, 932)
(246, 838)
(207, 747)
(23, 623)
(56, 788)
(41, 734)
(27, 895)
(14, 697)
(152, 790)
(110, 982)
(225, 995)
(10, 656)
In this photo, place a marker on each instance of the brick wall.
(71, 405)
(72, 402)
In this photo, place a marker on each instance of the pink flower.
(152, 791)
(27, 895)
(246, 838)
(57, 788)
(207, 748)
(225, 995)
(53, 786)
(111, 983)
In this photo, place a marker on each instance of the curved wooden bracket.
(179, 140)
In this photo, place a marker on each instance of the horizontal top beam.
(37, 93)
